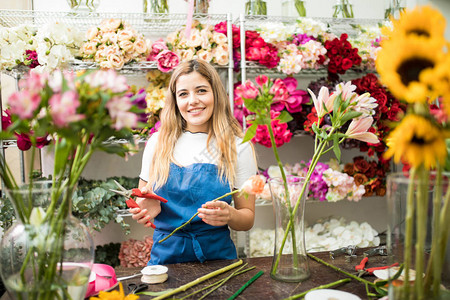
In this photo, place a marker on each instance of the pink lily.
(324, 100)
(358, 130)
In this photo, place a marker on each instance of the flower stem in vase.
(421, 229)
(288, 200)
(300, 6)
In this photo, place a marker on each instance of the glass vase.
(83, 5)
(156, 6)
(201, 6)
(290, 261)
(343, 9)
(293, 8)
(45, 257)
(418, 232)
(256, 8)
(394, 8)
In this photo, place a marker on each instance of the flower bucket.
(290, 261)
(416, 237)
(45, 258)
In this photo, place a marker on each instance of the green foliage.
(108, 254)
(96, 205)
(6, 213)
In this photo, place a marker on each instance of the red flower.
(361, 164)
(280, 130)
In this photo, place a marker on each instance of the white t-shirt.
(191, 148)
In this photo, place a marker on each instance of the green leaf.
(251, 104)
(284, 117)
(250, 133)
(336, 149)
(350, 115)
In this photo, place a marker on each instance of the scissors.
(136, 193)
(134, 288)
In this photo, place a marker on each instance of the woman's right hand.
(148, 209)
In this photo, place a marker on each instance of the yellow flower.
(423, 21)
(417, 141)
(115, 295)
(439, 79)
(402, 61)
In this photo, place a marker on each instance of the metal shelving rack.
(335, 25)
(152, 25)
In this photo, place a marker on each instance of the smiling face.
(195, 101)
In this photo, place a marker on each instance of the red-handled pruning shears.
(136, 193)
(361, 268)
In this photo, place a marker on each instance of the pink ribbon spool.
(103, 277)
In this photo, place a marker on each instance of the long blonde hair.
(223, 127)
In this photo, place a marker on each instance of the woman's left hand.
(216, 213)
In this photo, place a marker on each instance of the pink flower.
(6, 120)
(34, 82)
(279, 90)
(358, 130)
(24, 104)
(254, 185)
(253, 53)
(295, 101)
(24, 142)
(167, 60)
(247, 90)
(157, 47)
(280, 131)
(118, 109)
(262, 80)
(324, 100)
(63, 108)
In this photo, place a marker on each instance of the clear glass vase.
(256, 8)
(290, 261)
(343, 9)
(293, 8)
(394, 8)
(201, 6)
(83, 5)
(156, 6)
(45, 258)
(418, 232)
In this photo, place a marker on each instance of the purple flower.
(140, 102)
(318, 188)
(300, 39)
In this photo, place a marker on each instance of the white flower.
(274, 171)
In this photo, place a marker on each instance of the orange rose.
(254, 185)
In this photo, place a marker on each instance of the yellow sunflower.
(417, 141)
(400, 63)
(438, 79)
(423, 21)
(115, 295)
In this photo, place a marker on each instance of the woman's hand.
(215, 213)
(148, 209)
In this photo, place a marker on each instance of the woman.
(195, 157)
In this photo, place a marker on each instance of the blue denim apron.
(186, 189)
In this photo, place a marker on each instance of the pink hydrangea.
(167, 60)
